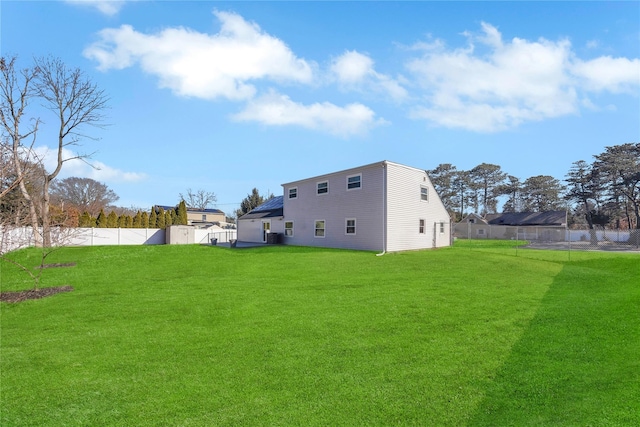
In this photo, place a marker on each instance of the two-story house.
(383, 206)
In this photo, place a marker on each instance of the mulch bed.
(18, 296)
(13, 297)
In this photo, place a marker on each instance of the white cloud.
(279, 110)
(511, 82)
(609, 74)
(352, 67)
(190, 63)
(108, 7)
(83, 168)
(355, 70)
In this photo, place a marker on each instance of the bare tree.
(16, 92)
(200, 199)
(85, 194)
(77, 103)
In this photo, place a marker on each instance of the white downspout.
(384, 211)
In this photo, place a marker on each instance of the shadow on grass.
(577, 364)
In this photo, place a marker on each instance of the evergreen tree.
(101, 221)
(86, 220)
(128, 221)
(168, 217)
(112, 220)
(122, 221)
(252, 200)
(542, 193)
(160, 219)
(153, 219)
(182, 213)
(137, 220)
(144, 220)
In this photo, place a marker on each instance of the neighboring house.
(383, 206)
(550, 225)
(205, 217)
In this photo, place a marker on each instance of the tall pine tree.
(182, 213)
(101, 221)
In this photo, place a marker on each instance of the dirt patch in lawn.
(13, 297)
(56, 265)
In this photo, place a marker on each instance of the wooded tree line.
(605, 192)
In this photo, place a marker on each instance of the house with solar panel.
(383, 207)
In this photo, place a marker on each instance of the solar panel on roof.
(274, 203)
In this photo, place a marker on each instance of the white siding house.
(383, 206)
(265, 219)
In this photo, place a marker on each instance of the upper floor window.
(424, 193)
(354, 182)
(322, 187)
(204, 217)
(293, 192)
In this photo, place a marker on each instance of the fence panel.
(225, 236)
(554, 237)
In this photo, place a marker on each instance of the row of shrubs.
(156, 218)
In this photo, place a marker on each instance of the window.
(319, 228)
(442, 228)
(204, 217)
(481, 232)
(288, 228)
(424, 193)
(293, 193)
(322, 187)
(350, 226)
(421, 227)
(354, 182)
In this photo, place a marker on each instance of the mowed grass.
(203, 336)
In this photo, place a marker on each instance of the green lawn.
(476, 334)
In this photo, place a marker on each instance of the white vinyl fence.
(21, 237)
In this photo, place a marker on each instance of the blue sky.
(227, 96)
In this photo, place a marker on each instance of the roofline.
(354, 169)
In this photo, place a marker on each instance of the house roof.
(193, 210)
(528, 218)
(351, 170)
(271, 208)
(472, 217)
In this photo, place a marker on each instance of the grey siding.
(405, 209)
(334, 207)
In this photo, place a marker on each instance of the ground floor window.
(288, 228)
(441, 227)
(319, 228)
(350, 226)
(421, 226)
